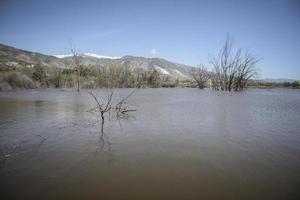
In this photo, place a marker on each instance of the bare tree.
(102, 107)
(57, 77)
(201, 75)
(77, 63)
(232, 69)
(246, 71)
(222, 65)
(120, 109)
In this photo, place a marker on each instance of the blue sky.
(187, 32)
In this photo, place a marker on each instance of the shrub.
(295, 84)
(4, 86)
(15, 80)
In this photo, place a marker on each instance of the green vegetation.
(14, 80)
(108, 76)
(269, 85)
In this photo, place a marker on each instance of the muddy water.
(179, 144)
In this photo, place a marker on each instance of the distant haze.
(187, 32)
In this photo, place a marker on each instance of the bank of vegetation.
(270, 85)
(109, 76)
(232, 70)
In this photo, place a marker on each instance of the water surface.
(179, 144)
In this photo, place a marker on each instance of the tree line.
(106, 76)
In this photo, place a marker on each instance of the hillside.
(11, 57)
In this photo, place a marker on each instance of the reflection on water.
(179, 144)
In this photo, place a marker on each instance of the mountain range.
(11, 57)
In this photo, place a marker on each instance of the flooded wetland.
(178, 144)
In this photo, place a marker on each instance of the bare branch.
(201, 75)
(232, 70)
(77, 63)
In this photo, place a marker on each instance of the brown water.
(180, 144)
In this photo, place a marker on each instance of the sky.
(187, 31)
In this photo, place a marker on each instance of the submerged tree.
(120, 109)
(232, 69)
(102, 107)
(246, 71)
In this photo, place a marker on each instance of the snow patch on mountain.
(101, 56)
(63, 56)
(161, 70)
(179, 73)
(88, 55)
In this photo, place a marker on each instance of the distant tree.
(201, 75)
(39, 74)
(57, 77)
(138, 77)
(85, 72)
(286, 84)
(295, 84)
(153, 79)
(77, 63)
